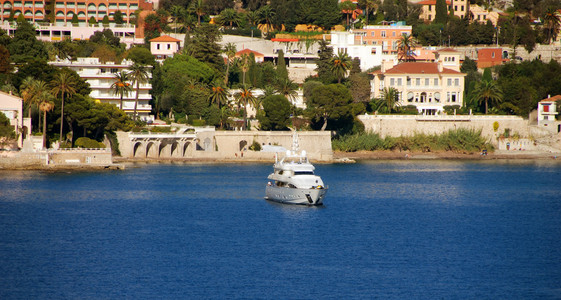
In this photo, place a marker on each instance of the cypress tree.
(282, 72)
(441, 12)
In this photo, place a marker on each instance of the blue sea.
(433, 229)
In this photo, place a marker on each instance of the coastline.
(450, 155)
(121, 163)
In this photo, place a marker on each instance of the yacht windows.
(303, 173)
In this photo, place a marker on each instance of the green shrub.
(453, 140)
(85, 142)
(197, 122)
(255, 146)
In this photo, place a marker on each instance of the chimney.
(439, 65)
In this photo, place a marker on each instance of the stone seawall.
(406, 125)
(52, 159)
(220, 145)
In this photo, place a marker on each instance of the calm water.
(388, 229)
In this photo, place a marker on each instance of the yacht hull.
(295, 195)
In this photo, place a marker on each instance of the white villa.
(12, 107)
(370, 55)
(547, 110)
(101, 76)
(427, 85)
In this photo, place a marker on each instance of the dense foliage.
(458, 140)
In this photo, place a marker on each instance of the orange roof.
(164, 38)
(248, 51)
(430, 2)
(552, 99)
(419, 68)
(446, 50)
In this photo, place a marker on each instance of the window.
(436, 81)
(394, 45)
(409, 97)
(408, 81)
(462, 8)
(437, 97)
(158, 46)
(399, 82)
(453, 96)
(457, 82)
(449, 81)
(418, 82)
(546, 108)
(484, 17)
(493, 55)
(392, 81)
(373, 33)
(455, 8)
(427, 81)
(393, 33)
(430, 7)
(169, 46)
(383, 33)
(373, 51)
(423, 97)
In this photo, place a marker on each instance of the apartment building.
(64, 10)
(460, 8)
(427, 85)
(101, 76)
(386, 36)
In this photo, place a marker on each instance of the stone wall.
(224, 145)
(406, 125)
(51, 158)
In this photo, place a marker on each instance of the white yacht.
(294, 181)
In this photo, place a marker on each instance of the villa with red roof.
(164, 46)
(547, 110)
(259, 57)
(427, 85)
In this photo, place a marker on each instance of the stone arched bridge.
(180, 144)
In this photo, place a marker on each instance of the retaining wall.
(407, 125)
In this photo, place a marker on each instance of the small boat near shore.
(294, 181)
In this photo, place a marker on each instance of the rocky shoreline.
(120, 163)
(373, 155)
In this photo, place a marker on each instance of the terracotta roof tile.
(552, 99)
(419, 68)
(248, 51)
(164, 38)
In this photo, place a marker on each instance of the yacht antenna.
(294, 142)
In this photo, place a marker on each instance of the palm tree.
(198, 7)
(138, 74)
(244, 66)
(266, 16)
(389, 100)
(46, 105)
(488, 91)
(64, 84)
(340, 64)
(252, 18)
(27, 93)
(243, 98)
(218, 95)
(121, 86)
(347, 7)
(41, 92)
(288, 88)
(369, 6)
(230, 51)
(405, 46)
(552, 23)
(177, 12)
(229, 16)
